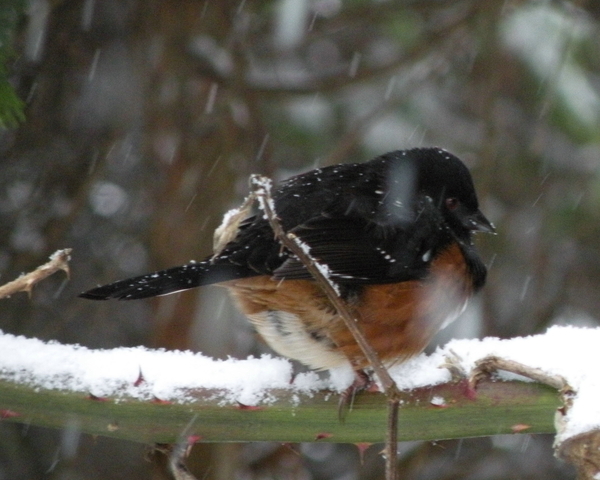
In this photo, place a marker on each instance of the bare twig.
(59, 260)
(177, 465)
(180, 451)
(491, 364)
(262, 190)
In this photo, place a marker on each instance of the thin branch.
(262, 186)
(59, 260)
(180, 451)
(262, 189)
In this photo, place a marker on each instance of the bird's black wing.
(360, 220)
(359, 251)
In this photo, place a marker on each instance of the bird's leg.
(362, 381)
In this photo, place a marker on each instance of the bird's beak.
(478, 223)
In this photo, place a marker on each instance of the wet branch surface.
(498, 408)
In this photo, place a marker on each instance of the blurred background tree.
(144, 119)
(11, 106)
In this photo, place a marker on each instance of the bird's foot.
(362, 381)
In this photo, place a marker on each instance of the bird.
(396, 237)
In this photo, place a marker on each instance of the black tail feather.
(168, 281)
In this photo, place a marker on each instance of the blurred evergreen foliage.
(11, 106)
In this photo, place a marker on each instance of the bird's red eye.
(452, 203)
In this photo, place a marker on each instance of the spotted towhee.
(396, 236)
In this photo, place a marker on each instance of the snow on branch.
(568, 352)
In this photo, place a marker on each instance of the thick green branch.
(440, 412)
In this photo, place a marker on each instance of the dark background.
(145, 118)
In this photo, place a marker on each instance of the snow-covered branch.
(125, 392)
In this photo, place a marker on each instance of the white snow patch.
(303, 246)
(263, 187)
(228, 217)
(326, 272)
(322, 267)
(168, 375)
